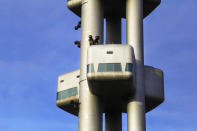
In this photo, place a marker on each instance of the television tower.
(112, 78)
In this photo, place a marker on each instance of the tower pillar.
(90, 108)
(113, 30)
(134, 27)
(113, 121)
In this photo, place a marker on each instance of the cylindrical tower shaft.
(136, 104)
(113, 30)
(90, 108)
(113, 121)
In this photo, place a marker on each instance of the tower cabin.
(111, 70)
(68, 92)
(110, 74)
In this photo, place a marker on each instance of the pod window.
(129, 67)
(109, 67)
(67, 93)
(90, 68)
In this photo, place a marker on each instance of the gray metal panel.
(154, 87)
(110, 53)
(70, 105)
(114, 8)
(68, 80)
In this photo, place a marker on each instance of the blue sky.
(36, 45)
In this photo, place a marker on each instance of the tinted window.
(129, 67)
(109, 67)
(90, 68)
(67, 93)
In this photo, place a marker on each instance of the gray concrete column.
(90, 108)
(113, 30)
(136, 104)
(113, 121)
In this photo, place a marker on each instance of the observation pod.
(111, 70)
(67, 92)
(154, 87)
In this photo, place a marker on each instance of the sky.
(36, 46)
